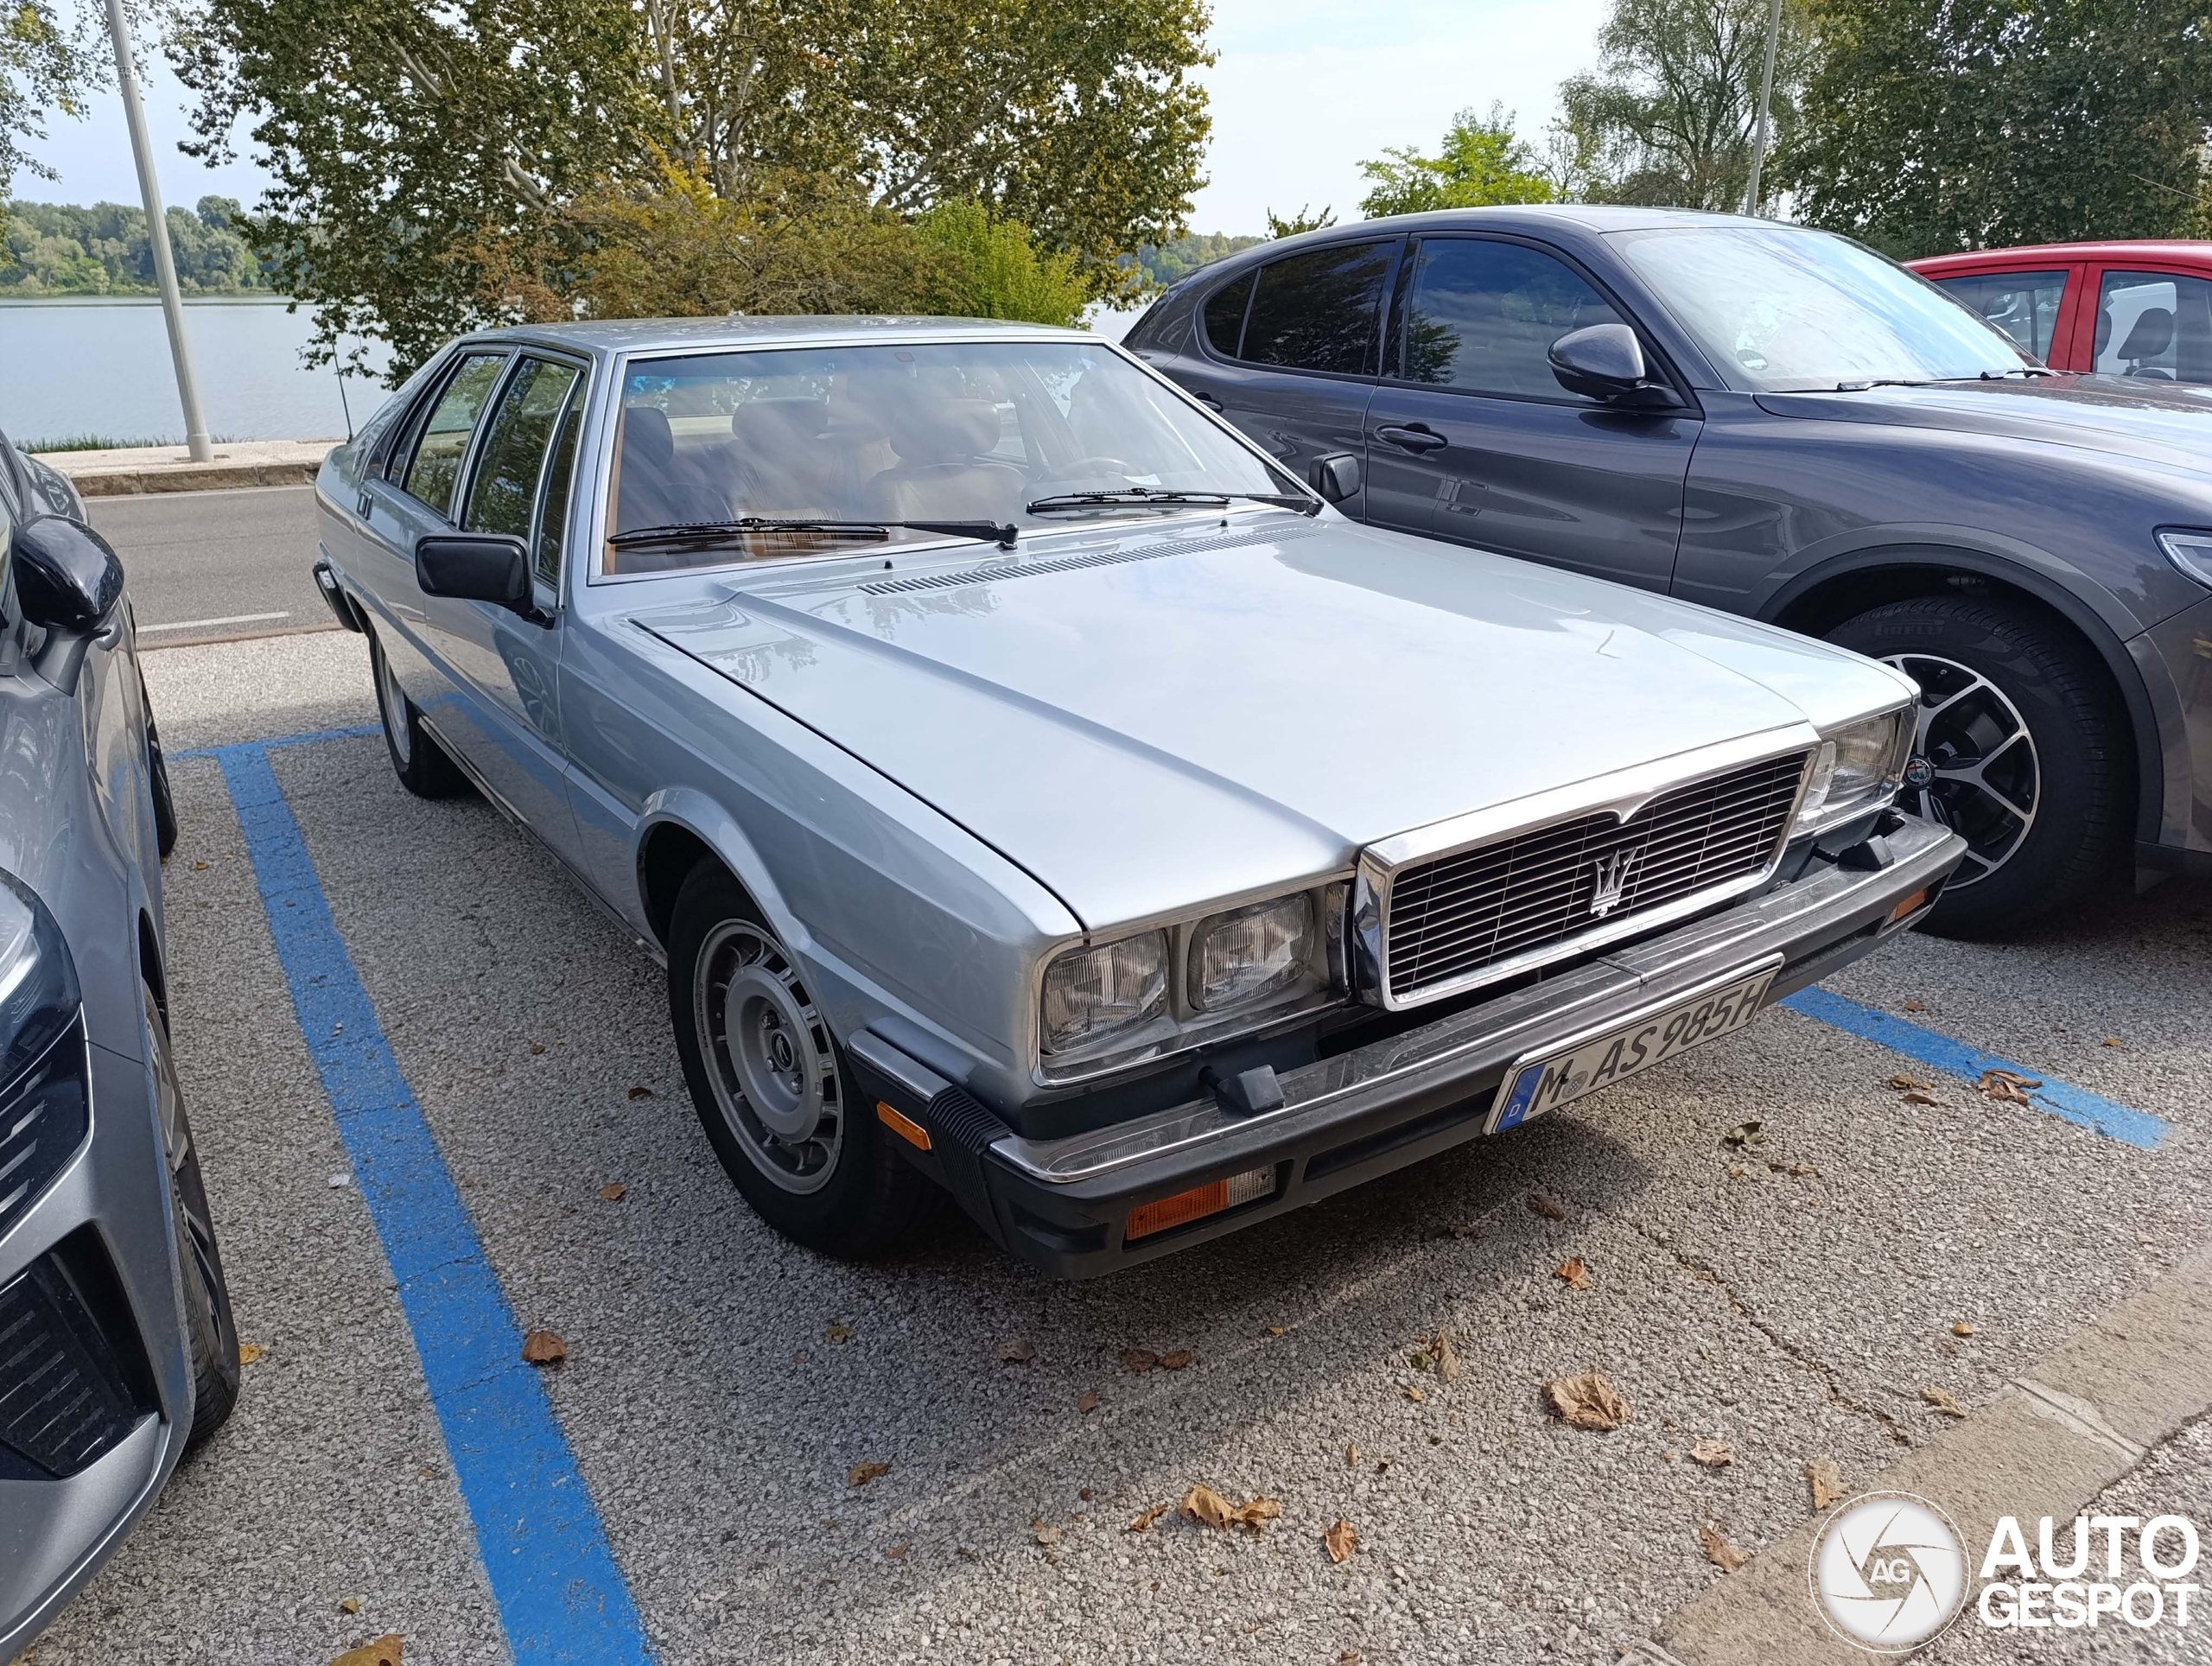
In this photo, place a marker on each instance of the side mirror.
(478, 567)
(1335, 476)
(1605, 361)
(68, 581)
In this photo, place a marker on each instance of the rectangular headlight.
(1250, 954)
(1858, 768)
(1093, 995)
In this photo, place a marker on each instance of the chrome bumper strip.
(1798, 921)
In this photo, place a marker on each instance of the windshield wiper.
(681, 532)
(1145, 497)
(1881, 382)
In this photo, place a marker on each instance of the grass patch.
(112, 442)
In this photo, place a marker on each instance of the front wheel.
(770, 1086)
(2021, 750)
(210, 1330)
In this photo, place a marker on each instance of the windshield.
(1781, 308)
(863, 436)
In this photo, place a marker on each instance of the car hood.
(1148, 720)
(2127, 415)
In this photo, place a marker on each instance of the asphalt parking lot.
(1794, 1297)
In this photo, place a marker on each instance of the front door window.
(1482, 317)
(2024, 305)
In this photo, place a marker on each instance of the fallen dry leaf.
(1736, 1171)
(1202, 1504)
(1048, 1534)
(1422, 1360)
(1414, 1394)
(1718, 1551)
(1143, 1523)
(1351, 1456)
(249, 1352)
(641, 1093)
(384, 1652)
(537, 1047)
(199, 868)
(1916, 1099)
(1090, 1400)
(898, 1552)
(1275, 1330)
(1176, 1360)
(1447, 1357)
(1083, 1493)
(612, 1191)
(1744, 1134)
(1016, 1350)
(1544, 1204)
(349, 1606)
(1588, 1401)
(1574, 1272)
(1796, 1170)
(1139, 1359)
(1714, 1452)
(838, 1332)
(544, 1348)
(1826, 1480)
(863, 1473)
(1915, 1006)
(1962, 1328)
(1460, 1229)
(2009, 1087)
(1339, 1540)
(1904, 1083)
(2112, 1041)
(1941, 1399)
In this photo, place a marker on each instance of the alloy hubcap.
(395, 709)
(1974, 767)
(769, 1057)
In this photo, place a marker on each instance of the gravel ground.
(716, 1416)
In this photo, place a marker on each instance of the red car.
(2119, 309)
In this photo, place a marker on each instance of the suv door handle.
(1207, 400)
(1414, 436)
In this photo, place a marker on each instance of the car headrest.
(647, 436)
(926, 430)
(2151, 334)
(778, 424)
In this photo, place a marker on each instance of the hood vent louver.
(997, 572)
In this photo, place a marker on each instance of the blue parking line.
(2077, 1105)
(562, 1601)
(353, 734)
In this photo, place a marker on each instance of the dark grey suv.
(1774, 422)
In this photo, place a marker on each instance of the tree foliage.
(1667, 119)
(58, 248)
(988, 267)
(1936, 125)
(430, 154)
(1304, 221)
(1482, 162)
(1159, 266)
(49, 62)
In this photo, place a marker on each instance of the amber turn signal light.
(904, 1127)
(1198, 1203)
(1912, 904)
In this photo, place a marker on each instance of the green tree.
(409, 137)
(1936, 125)
(48, 62)
(989, 268)
(1669, 116)
(1161, 264)
(1482, 162)
(1303, 220)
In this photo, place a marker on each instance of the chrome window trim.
(1622, 794)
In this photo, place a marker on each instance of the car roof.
(734, 330)
(2189, 252)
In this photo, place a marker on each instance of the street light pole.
(157, 235)
(1766, 100)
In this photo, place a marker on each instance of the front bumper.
(1063, 1205)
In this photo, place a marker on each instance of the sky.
(1296, 104)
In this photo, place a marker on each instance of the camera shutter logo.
(1888, 1572)
(1613, 874)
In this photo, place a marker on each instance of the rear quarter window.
(1321, 311)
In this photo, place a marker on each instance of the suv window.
(1321, 311)
(435, 468)
(2157, 325)
(2024, 305)
(503, 494)
(1483, 315)
(1225, 316)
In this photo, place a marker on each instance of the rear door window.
(2024, 305)
(2154, 325)
(1483, 315)
(434, 469)
(1321, 311)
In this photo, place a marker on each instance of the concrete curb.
(135, 471)
(206, 478)
(2051, 1439)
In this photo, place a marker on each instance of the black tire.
(157, 783)
(2073, 773)
(210, 1329)
(849, 1194)
(422, 766)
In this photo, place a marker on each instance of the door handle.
(1207, 400)
(364, 504)
(1413, 436)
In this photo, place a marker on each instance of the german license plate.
(1535, 1085)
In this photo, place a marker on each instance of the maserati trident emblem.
(1613, 874)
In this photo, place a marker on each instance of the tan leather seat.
(942, 472)
(787, 464)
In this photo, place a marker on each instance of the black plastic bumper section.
(335, 596)
(73, 1375)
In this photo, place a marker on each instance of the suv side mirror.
(1335, 476)
(68, 581)
(478, 567)
(1605, 361)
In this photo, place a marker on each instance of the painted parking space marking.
(562, 1601)
(1940, 1052)
(306, 739)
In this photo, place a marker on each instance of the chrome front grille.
(1453, 917)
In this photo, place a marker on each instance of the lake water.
(102, 367)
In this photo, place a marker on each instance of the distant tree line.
(55, 249)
